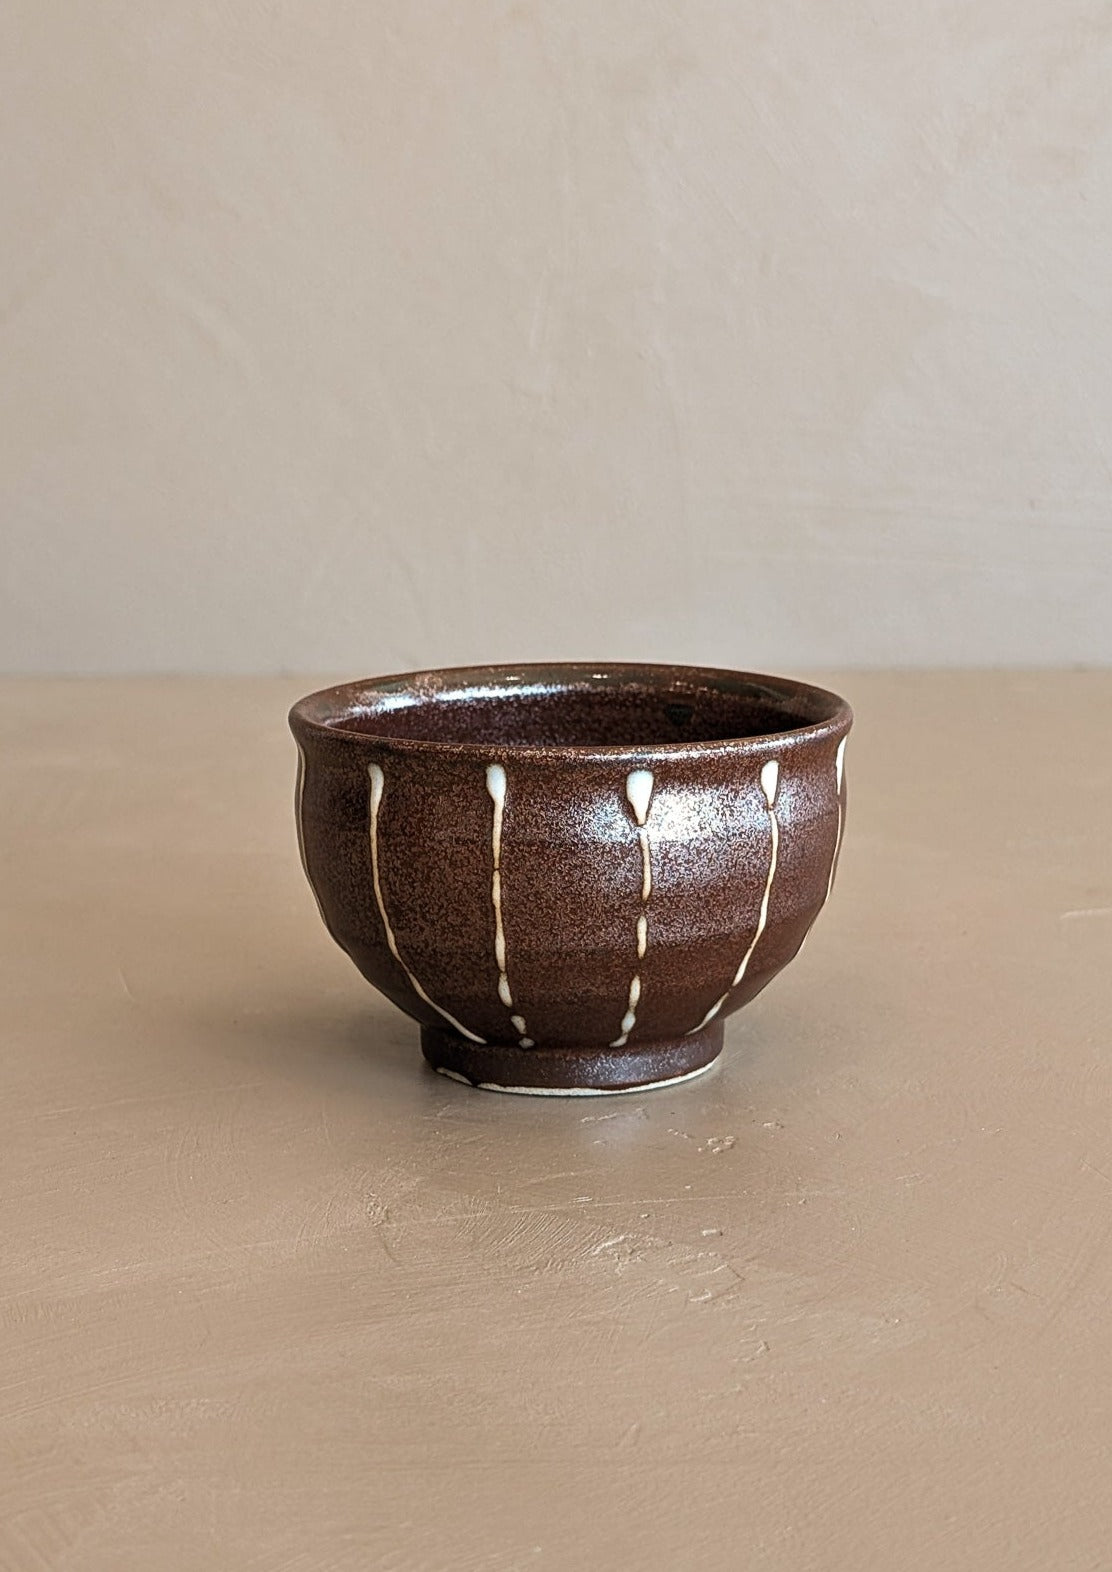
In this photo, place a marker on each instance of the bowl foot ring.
(572, 1072)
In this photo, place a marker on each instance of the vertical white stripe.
(839, 768)
(639, 791)
(646, 863)
(496, 786)
(770, 785)
(378, 781)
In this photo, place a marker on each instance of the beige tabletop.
(275, 1297)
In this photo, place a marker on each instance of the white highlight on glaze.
(839, 769)
(378, 781)
(575, 1091)
(496, 786)
(770, 785)
(639, 791)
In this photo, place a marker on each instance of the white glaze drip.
(646, 864)
(770, 783)
(639, 791)
(496, 786)
(377, 783)
(770, 780)
(499, 931)
(629, 1019)
(839, 770)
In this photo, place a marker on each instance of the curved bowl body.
(569, 875)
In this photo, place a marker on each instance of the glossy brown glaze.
(570, 875)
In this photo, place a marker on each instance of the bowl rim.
(339, 697)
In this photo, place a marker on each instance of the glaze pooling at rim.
(349, 710)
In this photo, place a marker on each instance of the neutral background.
(368, 334)
(348, 336)
(273, 1298)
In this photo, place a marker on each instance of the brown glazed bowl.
(570, 875)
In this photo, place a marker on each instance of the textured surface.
(276, 1297)
(650, 853)
(373, 336)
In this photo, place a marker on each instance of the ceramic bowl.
(570, 875)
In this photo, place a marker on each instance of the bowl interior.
(573, 706)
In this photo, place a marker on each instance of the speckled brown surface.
(275, 1297)
(603, 903)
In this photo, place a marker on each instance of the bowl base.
(571, 1072)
